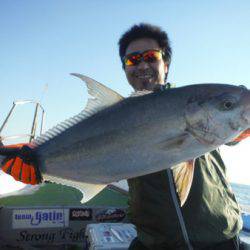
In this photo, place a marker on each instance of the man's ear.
(165, 68)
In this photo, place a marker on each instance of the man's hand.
(243, 136)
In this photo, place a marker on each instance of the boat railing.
(37, 108)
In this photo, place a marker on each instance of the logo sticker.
(80, 214)
(113, 215)
(40, 218)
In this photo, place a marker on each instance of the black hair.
(144, 30)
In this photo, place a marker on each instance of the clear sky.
(43, 41)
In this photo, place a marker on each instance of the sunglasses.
(150, 56)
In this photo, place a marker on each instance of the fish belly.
(100, 161)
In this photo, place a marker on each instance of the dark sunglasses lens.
(152, 56)
(132, 59)
(148, 56)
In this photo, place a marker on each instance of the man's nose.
(143, 65)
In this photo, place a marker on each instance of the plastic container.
(109, 236)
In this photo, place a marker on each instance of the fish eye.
(228, 105)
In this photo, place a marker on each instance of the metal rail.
(34, 123)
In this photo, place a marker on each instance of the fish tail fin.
(21, 163)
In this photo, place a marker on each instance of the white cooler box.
(109, 236)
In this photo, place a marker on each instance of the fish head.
(215, 114)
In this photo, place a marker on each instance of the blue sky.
(43, 41)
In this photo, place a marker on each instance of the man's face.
(145, 75)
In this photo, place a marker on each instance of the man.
(210, 217)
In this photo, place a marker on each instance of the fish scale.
(116, 138)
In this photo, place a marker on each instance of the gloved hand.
(243, 136)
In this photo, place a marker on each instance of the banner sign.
(54, 225)
(63, 236)
(40, 218)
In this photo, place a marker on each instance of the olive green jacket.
(211, 213)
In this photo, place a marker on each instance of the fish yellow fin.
(183, 177)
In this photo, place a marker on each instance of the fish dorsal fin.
(140, 93)
(103, 97)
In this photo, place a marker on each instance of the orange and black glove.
(21, 163)
(241, 137)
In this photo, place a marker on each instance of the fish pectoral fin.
(87, 189)
(183, 176)
(174, 143)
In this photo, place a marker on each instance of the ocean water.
(242, 193)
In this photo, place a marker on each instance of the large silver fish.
(116, 138)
